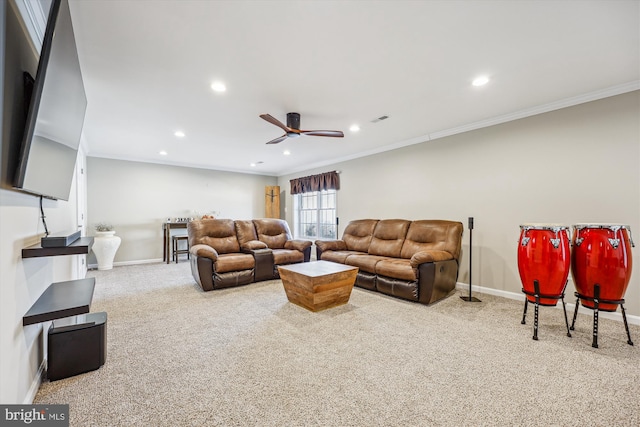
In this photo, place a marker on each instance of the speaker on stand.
(470, 298)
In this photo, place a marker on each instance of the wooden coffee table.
(318, 285)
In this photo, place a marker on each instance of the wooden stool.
(176, 247)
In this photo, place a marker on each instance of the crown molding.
(545, 108)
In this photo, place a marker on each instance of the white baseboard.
(631, 319)
(121, 263)
(35, 384)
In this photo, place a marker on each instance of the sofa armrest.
(429, 256)
(202, 271)
(436, 280)
(298, 245)
(253, 245)
(205, 251)
(331, 245)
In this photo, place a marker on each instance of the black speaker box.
(60, 240)
(77, 345)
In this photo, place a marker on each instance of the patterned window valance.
(323, 181)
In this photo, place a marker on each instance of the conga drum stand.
(537, 295)
(596, 305)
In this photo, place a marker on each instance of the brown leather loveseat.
(413, 260)
(227, 253)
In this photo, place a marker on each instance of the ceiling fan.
(292, 129)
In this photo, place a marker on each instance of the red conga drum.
(601, 255)
(543, 255)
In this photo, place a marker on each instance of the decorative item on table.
(105, 245)
(180, 219)
(601, 263)
(543, 264)
(210, 215)
(102, 227)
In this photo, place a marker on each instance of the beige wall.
(136, 197)
(575, 165)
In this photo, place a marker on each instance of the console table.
(166, 228)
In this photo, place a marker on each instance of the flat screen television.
(56, 113)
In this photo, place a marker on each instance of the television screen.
(56, 113)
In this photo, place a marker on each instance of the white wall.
(23, 349)
(136, 197)
(575, 165)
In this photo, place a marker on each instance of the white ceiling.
(148, 67)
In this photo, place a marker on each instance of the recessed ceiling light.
(354, 128)
(480, 81)
(218, 87)
(179, 134)
(253, 165)
(286, 152)
(163, 153)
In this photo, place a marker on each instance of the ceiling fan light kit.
(292, 128)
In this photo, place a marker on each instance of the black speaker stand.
(470, 298)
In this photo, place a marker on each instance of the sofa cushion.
(338, 256)
(388, 237)
(357, 234)
(433, 235)
(397, 268)
(234, 262)
(364, 262)
(287, 256)
(220, 234)
(274, 232)
(245, 231)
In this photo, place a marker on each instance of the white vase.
(105, 245)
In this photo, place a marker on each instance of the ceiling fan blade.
(277, 140)
(275, 121)
(332, 133)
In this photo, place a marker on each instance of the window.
(315, 215)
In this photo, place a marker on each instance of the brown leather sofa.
(412, 260)
(227, 253)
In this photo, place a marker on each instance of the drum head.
(541, 226)
(601, 226)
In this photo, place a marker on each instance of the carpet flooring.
(245, 356)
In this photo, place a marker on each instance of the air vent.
(379, 119)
